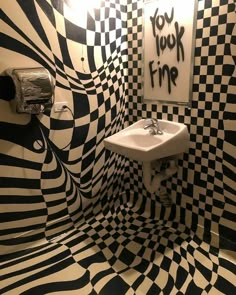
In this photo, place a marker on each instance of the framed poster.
(168, 50)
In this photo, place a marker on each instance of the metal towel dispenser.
(34, 89)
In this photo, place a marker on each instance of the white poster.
(169, 34)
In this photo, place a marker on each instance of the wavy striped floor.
(118, 251)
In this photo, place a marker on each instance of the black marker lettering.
(174, 74)
(179, 44)
(169, 19)
(160, 24)
(152, 72)
(163, 72)
(170, 44)
(152, 19)
(163, 43)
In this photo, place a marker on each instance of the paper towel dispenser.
(34, 89)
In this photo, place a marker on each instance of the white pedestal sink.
(137, 143)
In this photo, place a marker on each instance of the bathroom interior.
(76, 217)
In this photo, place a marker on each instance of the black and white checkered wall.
(69, 222)
(204, 188)
(45, 190)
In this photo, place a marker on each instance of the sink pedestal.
(153, 184)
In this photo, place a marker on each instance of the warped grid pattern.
(118, 251)
(49, 184)
(60, 236)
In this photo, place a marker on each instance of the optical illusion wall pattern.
(66, 224)
(50, 183)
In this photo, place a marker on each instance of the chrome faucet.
(154, 127)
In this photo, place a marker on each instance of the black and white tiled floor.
(118, 251)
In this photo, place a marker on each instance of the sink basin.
(137, 143)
